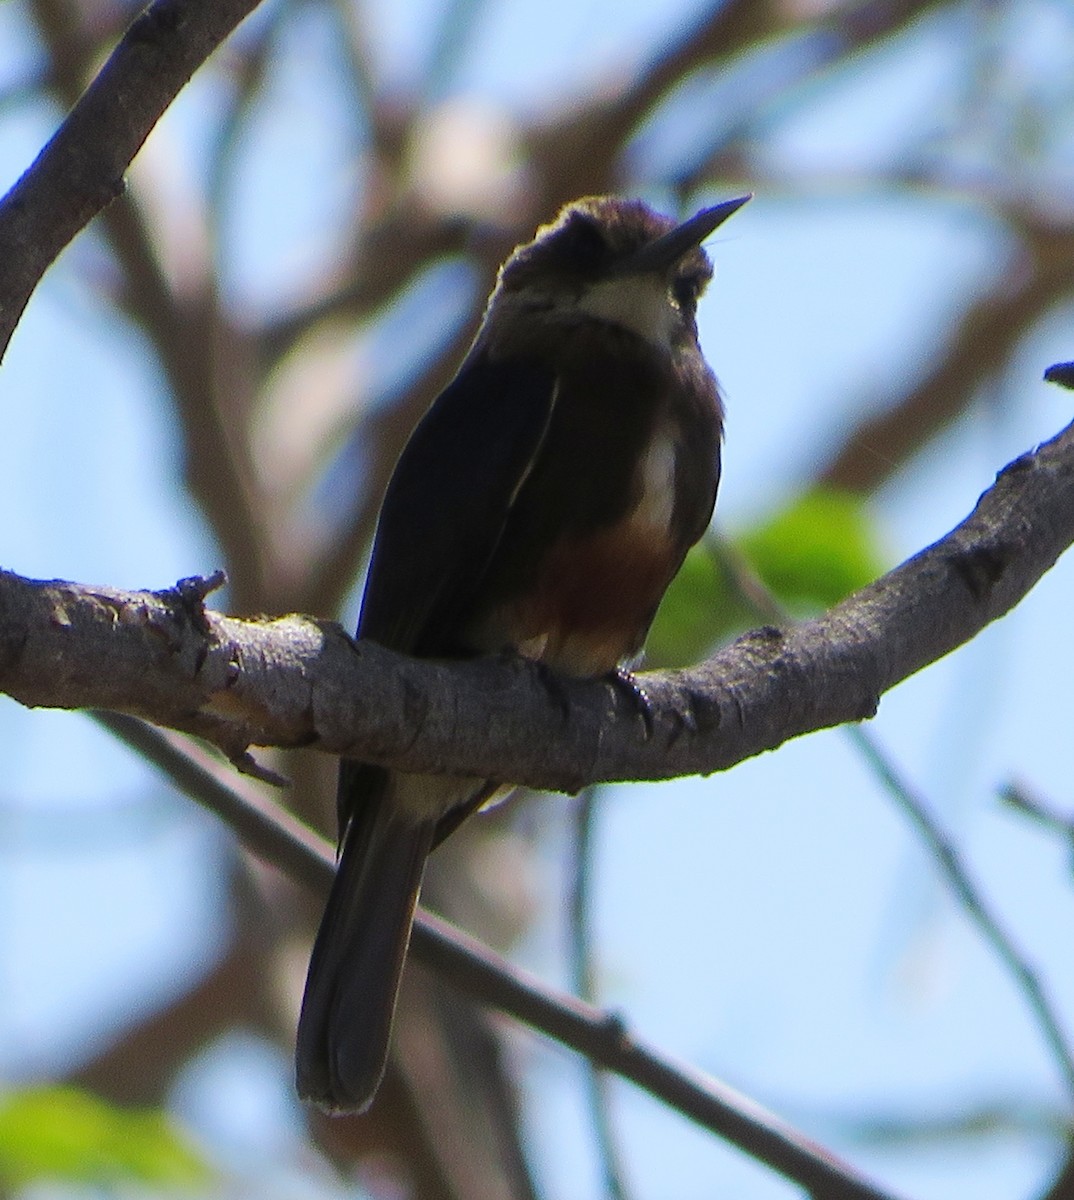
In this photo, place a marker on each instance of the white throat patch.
(641, 303)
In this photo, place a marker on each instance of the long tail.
(357, 960)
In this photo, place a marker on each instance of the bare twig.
(973, 901)
(277, 838)
(1019, 797)
(943, 852)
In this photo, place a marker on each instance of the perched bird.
(542, 505)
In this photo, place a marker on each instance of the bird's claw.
(626, 684)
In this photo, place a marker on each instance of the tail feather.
(357, 960)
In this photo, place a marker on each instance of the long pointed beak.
(666, 251)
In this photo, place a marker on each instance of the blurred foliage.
(816, 551)
(62, 1133)
(808, 556)
(702, 607)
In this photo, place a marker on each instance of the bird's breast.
(622, 485)
(594, 600)
(591, 593)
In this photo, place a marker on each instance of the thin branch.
(946, 857)
(973, 902)
(276, 837)
(915, 1127)
(80, 170)
(1019, 797)
(266, 829)
(296, 681)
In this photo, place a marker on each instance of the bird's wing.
(449, 498)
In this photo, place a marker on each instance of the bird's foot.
(625, 683)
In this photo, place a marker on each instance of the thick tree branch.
(80, 171)
(296, 681)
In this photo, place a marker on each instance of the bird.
(541, 507)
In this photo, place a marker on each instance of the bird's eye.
(688, 284)
(684, 293)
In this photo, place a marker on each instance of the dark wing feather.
(441, 521)
(448, 500)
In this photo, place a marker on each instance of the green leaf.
(816, 551)
(699, 609)
(809, 556)
(64, 1133)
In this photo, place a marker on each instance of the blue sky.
(777, 925)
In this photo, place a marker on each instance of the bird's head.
(615, 261)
